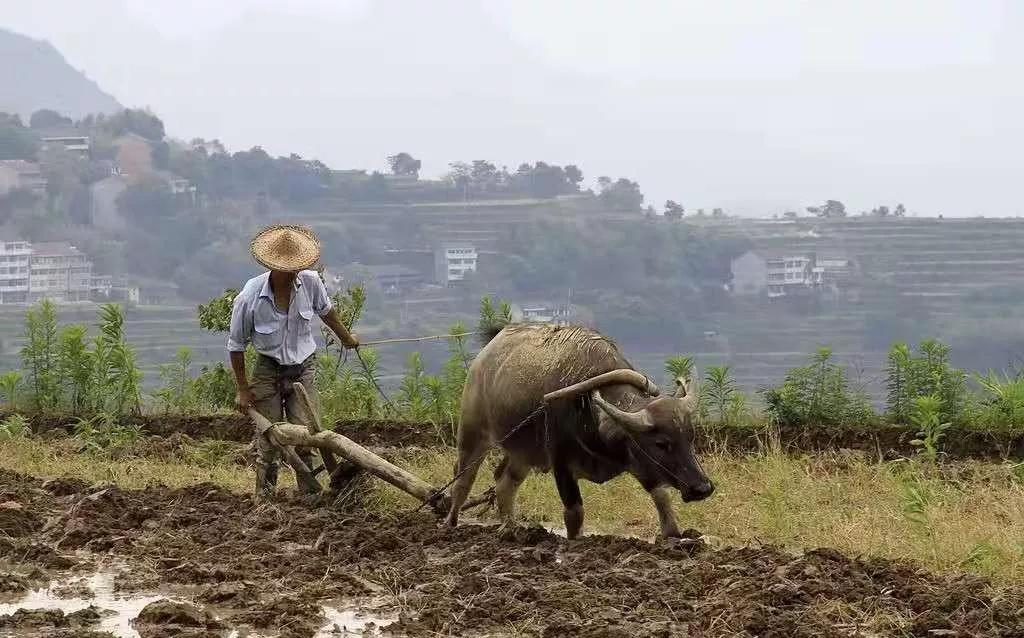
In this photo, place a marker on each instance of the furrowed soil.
(885, 441)
(271, 565)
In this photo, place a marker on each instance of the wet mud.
(882, 441)
(272, 567)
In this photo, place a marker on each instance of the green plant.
(929, 372)
(926, 417)
(104, 434)
(215, 315)
(678, 366)
(493, 318)
(75, 366)
(718, 392)
(1002, 405)
(40, 355)
(816, 394)
(215, 386)
(179, 390)
(10, 386)
(13, 427)
(412, 399)
(117, 377)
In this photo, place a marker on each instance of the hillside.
(34, 75)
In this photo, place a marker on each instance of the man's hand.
(244, 400)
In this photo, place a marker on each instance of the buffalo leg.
(471, 455)
(662, 498)
(572, 501)
(506, 485)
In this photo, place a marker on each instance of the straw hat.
(286, 248)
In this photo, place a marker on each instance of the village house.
(15, 261)
(392, 279)
(453, 261)
(59, 272)
(21, 174)
(70, 139)
(777, 274)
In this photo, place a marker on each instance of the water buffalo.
(602, 418)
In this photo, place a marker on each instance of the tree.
(900, 211)
(673, 210)
(147, 202)
(161, 154)
(138, 121)
(460, 175)
(717, 212)
(574, 175)
(404, 164)
(881, 211)
(16, 141)
(623, 194)
(47, 118)
(831, 208)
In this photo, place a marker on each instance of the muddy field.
(884, 441)
(271, 568)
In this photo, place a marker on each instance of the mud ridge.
(274, 563)
(884, 441)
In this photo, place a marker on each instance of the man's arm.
(239, 334)
(244, 398)
(333, 321)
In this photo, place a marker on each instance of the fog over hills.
(34, 75)
(749, 108)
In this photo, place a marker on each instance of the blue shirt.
(287, 337)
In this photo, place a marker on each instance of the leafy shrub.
(929, 373)
(14, 426)
(816, 394)
(10, 387)
(103, 434)
(925, 416)
(678, 366)
(40, 356)
(1001, 404)
(718, 395)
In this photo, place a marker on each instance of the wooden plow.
(287, 436)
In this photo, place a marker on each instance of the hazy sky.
(753, 106)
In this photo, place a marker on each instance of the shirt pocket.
(267, 325)
(305, 316)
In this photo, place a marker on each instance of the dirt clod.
(170, 618)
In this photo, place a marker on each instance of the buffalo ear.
(639, 421)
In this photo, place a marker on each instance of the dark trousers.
(275, 399)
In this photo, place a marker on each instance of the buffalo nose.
(704, 490)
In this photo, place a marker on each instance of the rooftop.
(61, 133)
(21, 166)
(54, 249)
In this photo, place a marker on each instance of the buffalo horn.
(625, 375)
(636, 421)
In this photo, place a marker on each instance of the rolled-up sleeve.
(320, 300)
(241, 324)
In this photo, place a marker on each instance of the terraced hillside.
(954, 279)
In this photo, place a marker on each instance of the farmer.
(274, 311)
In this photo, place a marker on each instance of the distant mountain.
(34, 75)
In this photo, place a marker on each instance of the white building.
(71, 140)
(21, 174)
(15, 262)
(755, 272)
(59, 272)
(453, 261)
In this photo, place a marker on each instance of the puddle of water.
(124, 608)
(352, 621)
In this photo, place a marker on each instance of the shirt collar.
(265, 291)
